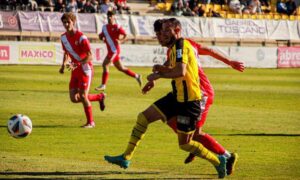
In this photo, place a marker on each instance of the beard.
(171, 41)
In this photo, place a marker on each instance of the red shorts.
(204, 112)
(114, 57)
(81, 77)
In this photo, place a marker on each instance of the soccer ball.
(19, 126)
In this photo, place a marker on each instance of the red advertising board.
(4, 53)
(288, 57)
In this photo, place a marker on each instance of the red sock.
(95, 97)
(211, 144)
(88, 114)
(104, 77)
(130, 73)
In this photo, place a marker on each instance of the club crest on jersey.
(179, 53)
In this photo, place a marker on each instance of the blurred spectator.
(122, 5)
(46, 3)
(107, 6)
(254, 7)
(193, 4)
(186, 11)
(265, 2)
(72, 6)
(80, 5)
(291, 7)
(199, 10)
(281, 7)
(177, 8)
(88, 7)
(235, 6)
(221, 2)
(59, 6)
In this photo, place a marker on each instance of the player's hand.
(148, 86)
(62, 69)
(237, 65)
(153, 77)
(71, 66)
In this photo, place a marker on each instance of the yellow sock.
(199, 150)
(137, 135)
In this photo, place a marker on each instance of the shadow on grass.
(63, 175)
(257, 134)
(50, 126)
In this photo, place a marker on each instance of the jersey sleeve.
(122, 30)
(85, 43)
(179, 50)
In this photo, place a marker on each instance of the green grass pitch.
(255, 113)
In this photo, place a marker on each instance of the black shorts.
(187, 113)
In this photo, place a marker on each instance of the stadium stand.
(157, 8)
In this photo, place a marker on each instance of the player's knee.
(141, 118)
(75, 99)
(185, 147)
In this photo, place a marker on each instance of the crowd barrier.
(48, 24)
(51, 53)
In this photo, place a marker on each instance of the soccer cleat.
(101, 102)
(89, 125)
(221, 169)
(101, 87)
(118, 160)
(231, 162)
(139, 80)
(189, 159)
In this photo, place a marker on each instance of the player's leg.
(138, 132)
(73, 88)
(84, 87)
(188, 114)
(105, 73)
(161, 109)
(211, 143)
(127, 71)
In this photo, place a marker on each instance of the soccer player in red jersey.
(76, 47)
(113, 34)
(207, 96)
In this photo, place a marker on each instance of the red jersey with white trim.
(205, 85)
(76, 46)
(111, 33)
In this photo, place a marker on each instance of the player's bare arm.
(237, 65)
(148, 86)
(178, 71)
(162, 68)
(64, 63)
(122, 38)
(87, 58)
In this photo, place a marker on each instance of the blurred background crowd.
(207, 8)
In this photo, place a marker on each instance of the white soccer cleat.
(89, 125)
(139, 80)
(100, 88)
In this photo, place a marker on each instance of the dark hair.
(68, 15)
(157, 25)
(175, 22)
(110, 13)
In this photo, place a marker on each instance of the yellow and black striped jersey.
(185, 88)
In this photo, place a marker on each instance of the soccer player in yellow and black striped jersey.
(183, 102)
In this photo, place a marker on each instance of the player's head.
(158, 31)
(111, 17)
(171, 30)
(68, 19)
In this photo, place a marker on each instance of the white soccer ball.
(19, 126)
